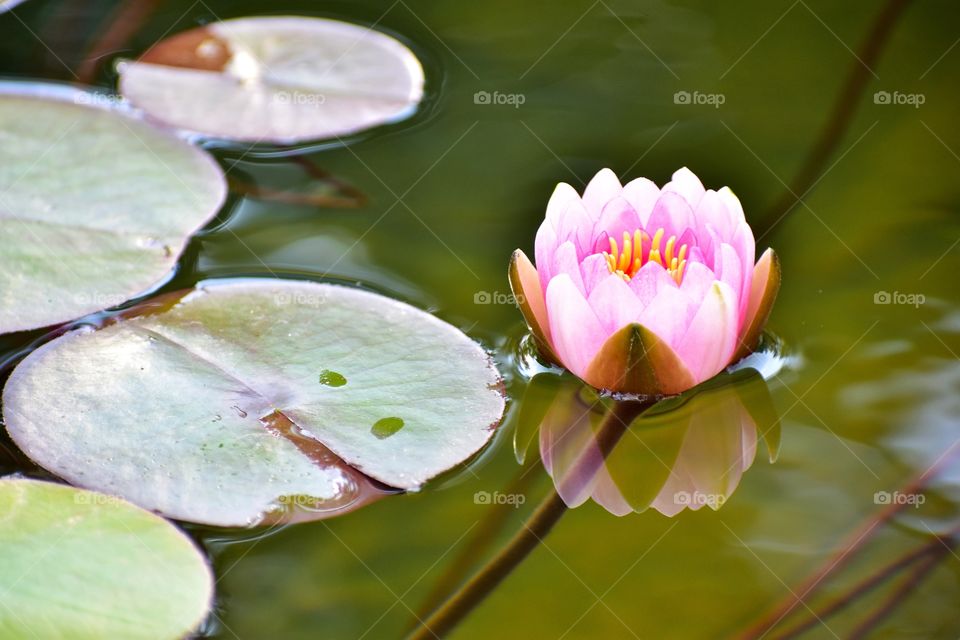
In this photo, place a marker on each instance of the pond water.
(522, 95)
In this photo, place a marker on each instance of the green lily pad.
(224, 405)
(277, 79)
(83, 565)
(95, 208)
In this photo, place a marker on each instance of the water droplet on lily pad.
(386, 427)
(332, 378)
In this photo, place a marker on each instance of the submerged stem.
(543, 519)
(903, 591)
(870, 583)
(857, 539)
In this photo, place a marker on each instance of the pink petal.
(565, 261)
(731, 272)
(697, 280)
(745, 246)
(710, 340)
(614, 303)
(618, 216)
(642, 194)
(649, 280)
(576, 332)
(715, 210)
(669, 315)
(594, 270)
(604, 187)
(575, 225)
(672, 214)
(561, 198)
(544, 247)
(686, 184)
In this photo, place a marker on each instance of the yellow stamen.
(625, 256)
(626, 259)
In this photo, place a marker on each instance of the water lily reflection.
(686, 452)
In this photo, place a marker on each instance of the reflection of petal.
(685, 453)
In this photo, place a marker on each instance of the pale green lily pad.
(217, 406)
(83, 565)
(278, 79)
(95, 208)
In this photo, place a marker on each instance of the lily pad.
(275, 79)
(95, 208)
(83, 565)
(256, 399)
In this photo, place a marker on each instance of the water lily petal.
(565, 260)
(745, 246)
(685, 183)
(668, 314)
(544, 247)
(574, 328)
(528, 293)
(672, 214)
(604, 187)
(618, 216)
(635, 360)
(697, 280)
(709, 343)
(561, 198)
(614, 303)
(647, 282)
(576, 226)
(730, 271)
(594, 270)
(763, 291)
(642, 194)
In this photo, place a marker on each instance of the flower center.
(626, 260)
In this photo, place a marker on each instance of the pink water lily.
(645, 290)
